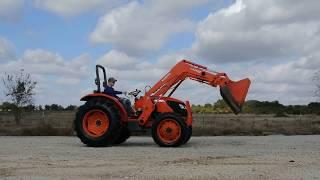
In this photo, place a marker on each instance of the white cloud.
(69, 8)
(137, 28)
(169, 60)
(68, 81)
(290, 82)
(274, 43)
(126, 67)
(259, 30)
(41, 56)
(117, 60)
(57, 77)
(43, 62)
(10, 9)
(79, 65)
(7, 51)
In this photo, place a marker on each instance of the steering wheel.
(134, 93)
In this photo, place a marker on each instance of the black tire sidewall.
(177, 118)
(124, 135)
(189, 134)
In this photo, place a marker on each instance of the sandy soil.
(263, 157)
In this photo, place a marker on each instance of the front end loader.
(104, 121)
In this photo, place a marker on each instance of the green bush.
(260, 107)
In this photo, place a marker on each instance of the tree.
(53, 107)
(314, 107)
(56, 107)
(47, 107)
(316, 79)
(220, 106)
(20, 89)
(70, 108)
(6, 106)
(29, 107)
(40, 108)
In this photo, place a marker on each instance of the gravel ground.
(232, 157)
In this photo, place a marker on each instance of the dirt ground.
(231, 157)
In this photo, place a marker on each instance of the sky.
(275, 43)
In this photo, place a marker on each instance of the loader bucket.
(234, 94)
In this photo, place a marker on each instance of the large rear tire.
(169, 130)
(124, 135)
(97, 123)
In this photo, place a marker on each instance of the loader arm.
(234, 93)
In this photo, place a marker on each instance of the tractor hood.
(234, 94)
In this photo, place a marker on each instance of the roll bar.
(97, 80)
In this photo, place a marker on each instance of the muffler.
(234, 94)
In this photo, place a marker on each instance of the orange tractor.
(104, 121)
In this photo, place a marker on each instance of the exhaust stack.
(234, 94)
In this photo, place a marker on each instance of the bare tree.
(20, 89)
(316, 79)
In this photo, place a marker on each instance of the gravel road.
(232, 157)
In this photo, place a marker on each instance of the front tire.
(169, 130)
(97, 123)
(189, 134)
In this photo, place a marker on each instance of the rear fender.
(115, 101)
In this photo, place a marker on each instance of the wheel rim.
(95, 123)
(169, 131)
